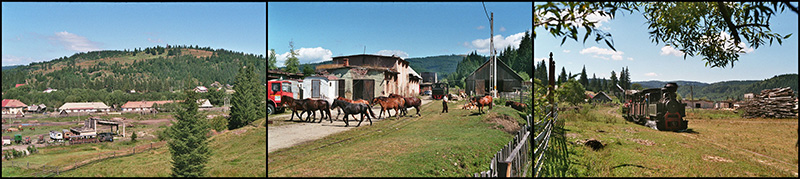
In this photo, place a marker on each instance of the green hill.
(154, 69)
(443, 64)
(729, 89)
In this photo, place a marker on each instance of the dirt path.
(289, 135)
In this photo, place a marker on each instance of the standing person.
(444, 104)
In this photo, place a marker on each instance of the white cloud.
(74, 42)
(307, 55)
(650, 74)
(398, 53)
(629, 58)
(155, 41)
(482, 45)
(669, 50)
(566, 51)
(9, 60)
(502, 29)
(729, 41)
(615, 55)
(480, 27)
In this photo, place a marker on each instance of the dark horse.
(517, 105)
(354, 108)
(409, 102)
(312, 105)
(390, 103)
(295, 105)
(349, 101)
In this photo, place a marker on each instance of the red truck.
(277, 88)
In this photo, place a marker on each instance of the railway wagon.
(657, 108)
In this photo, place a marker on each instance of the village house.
(49, 90)
(13, 106)
(36, 108)
(368, 76)
(138, 106)
(725, 104)
(479, 82)
(84, 107)
(704, 104)
(200, 89)
(601, 97)
(203, 103)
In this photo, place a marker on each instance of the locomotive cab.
(658, 108)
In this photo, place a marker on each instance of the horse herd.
(394, 102)
(350, 107)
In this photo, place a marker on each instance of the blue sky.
(648, 61)
(321, 30)
(34, 31)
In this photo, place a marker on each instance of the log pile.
(772, 103)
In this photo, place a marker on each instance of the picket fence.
(513, 159)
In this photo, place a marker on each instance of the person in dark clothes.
(444, 104)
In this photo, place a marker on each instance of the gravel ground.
(283, 136)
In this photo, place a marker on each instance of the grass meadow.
(455, 144)
(718, 144)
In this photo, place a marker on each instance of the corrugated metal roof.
(13, 103)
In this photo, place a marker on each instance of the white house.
(320, 87)
(84, 107)
(204, 103)
(200, 89)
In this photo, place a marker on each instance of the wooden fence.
(513, 159)
(544, 129)
(48, 170)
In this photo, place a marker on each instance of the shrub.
(218, 123)
(133, 136)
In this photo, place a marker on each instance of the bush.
(133, 136)
(162, 134)
(218, 123)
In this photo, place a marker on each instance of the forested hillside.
(154, 69)
(728, 89)
(442, 64)
(156, 73)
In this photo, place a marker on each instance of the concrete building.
(368, 76)
(320, 87)
(704, 104)
(138, 106)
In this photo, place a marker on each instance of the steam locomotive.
(657, 108)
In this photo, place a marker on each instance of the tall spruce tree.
(593, 84)
(245, 101)
(563, 76)
(188, 144)
(613, 80)
(584, 80)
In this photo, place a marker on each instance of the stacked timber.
(772, 103)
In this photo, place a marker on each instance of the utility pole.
(494, 60)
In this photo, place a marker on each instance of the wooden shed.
(479, 82)
(601, 97)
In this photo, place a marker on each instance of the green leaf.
(562, 41)
(610, 46)
(787, 36)
(589, 31)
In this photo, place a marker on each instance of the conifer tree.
(245, 102)
(188, 144)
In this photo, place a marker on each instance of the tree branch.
(744, 25)
(726, 15)
(790, 6)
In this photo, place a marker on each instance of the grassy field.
(719, 143)
(40, 130)
(458, 143)
(233, 155)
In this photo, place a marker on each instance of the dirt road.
(289, 135)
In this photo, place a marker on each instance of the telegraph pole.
(494, 60)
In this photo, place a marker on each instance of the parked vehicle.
(18, 138)
(277, 88)
(6, 140)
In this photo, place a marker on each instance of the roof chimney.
(346, 62)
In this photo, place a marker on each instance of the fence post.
(29, 165)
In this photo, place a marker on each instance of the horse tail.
(370, 111)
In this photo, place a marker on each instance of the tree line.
(593, 84)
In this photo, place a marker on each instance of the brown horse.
(359, 101)
(312, 105)
(517, 105)
(481, 102)
(413, 101)
(404, 105)
(389, 103)
(295, 105)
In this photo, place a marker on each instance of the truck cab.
(276, 89)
